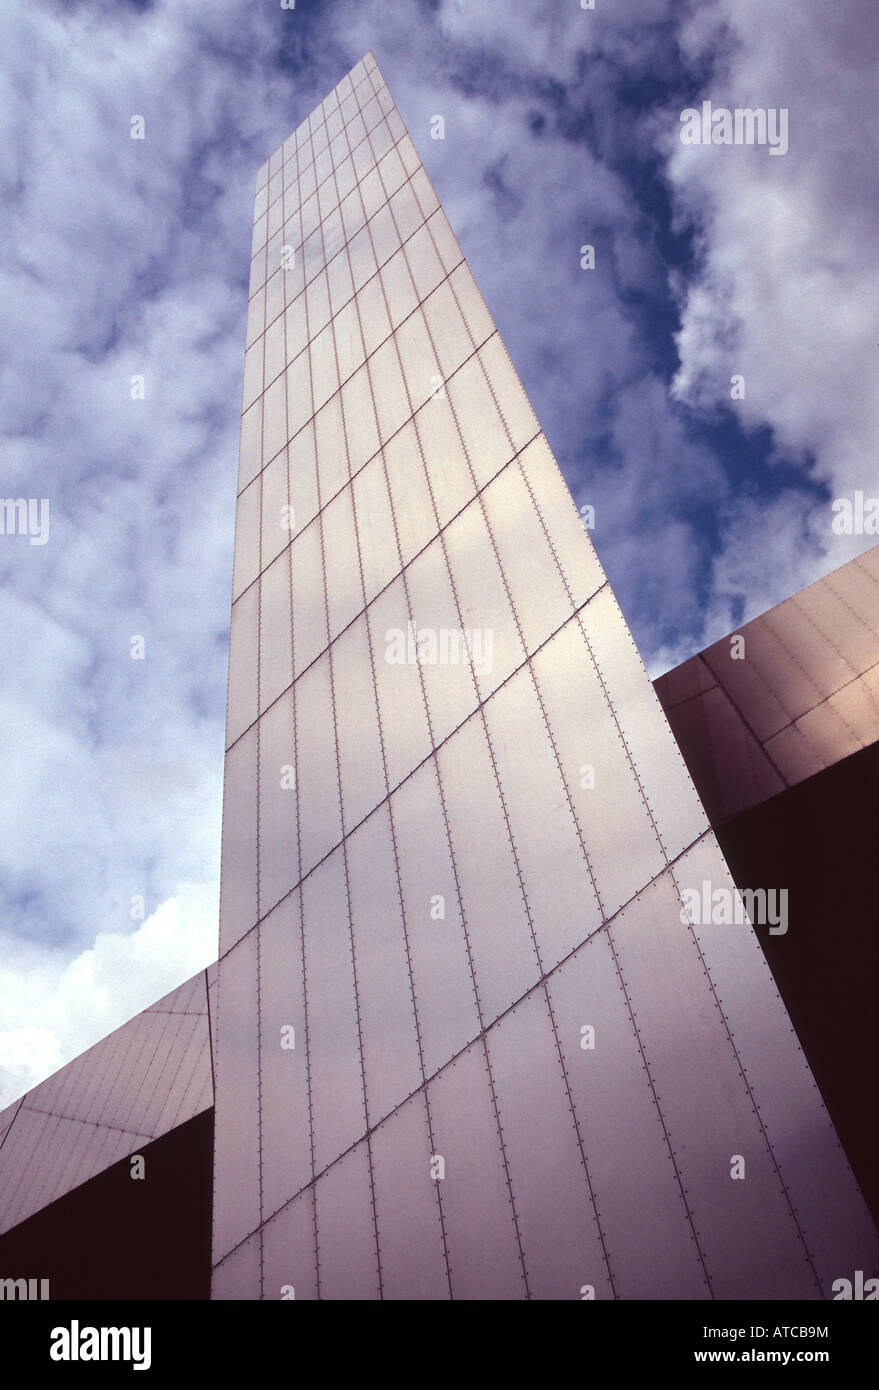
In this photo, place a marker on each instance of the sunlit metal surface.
(518, 1071)
(787, 695)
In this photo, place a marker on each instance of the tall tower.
(469, 1043)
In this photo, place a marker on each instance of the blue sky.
(119, 257)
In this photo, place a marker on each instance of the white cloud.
(786, 294)
(52, 1010)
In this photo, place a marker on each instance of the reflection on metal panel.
(445, 461)
(379, 556)
(498, 929)
(413, 511)
(275, 654)
(578, 562)
(558, 883)
(449, 684)
(486, 441)
(789, 694)
(344, 589)
(537, 591)
(596, 768)
(309, 607)
(494, 647)
(656, 761)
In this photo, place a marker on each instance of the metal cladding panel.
(240, 1270)
(745, 1227)
(289, 1267)
(138, 1083)
(239, 878)
(562, 1241)
(793, 692)
(285, 1112)
(333, 1016)
(237, 1205)
(406, 738)
(536, 588)
(445, 993)
(519, 1071)
(278, 804)
(556, 872)
(411, 1236)
(499, 932)
(346, 1231)
(450, 688)
(667, 790)
(190, 1045)
(242, 696)
(445, 461)
(276, 664)
(361, 766)
(484, 603)
(728, 765)
(469, 1163)
(379, 557)
(624, 1140)
(597, 769)
(391, 1054)
(317, 774)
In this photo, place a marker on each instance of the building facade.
(468, 1044)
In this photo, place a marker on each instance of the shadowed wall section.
(114, 1237)
(779, 733)
(819, 839)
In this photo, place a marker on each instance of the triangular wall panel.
(143, 1080)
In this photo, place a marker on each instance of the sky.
(124, 257)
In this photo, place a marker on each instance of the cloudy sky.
(121, 257)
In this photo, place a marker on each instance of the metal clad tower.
(468, 1043)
